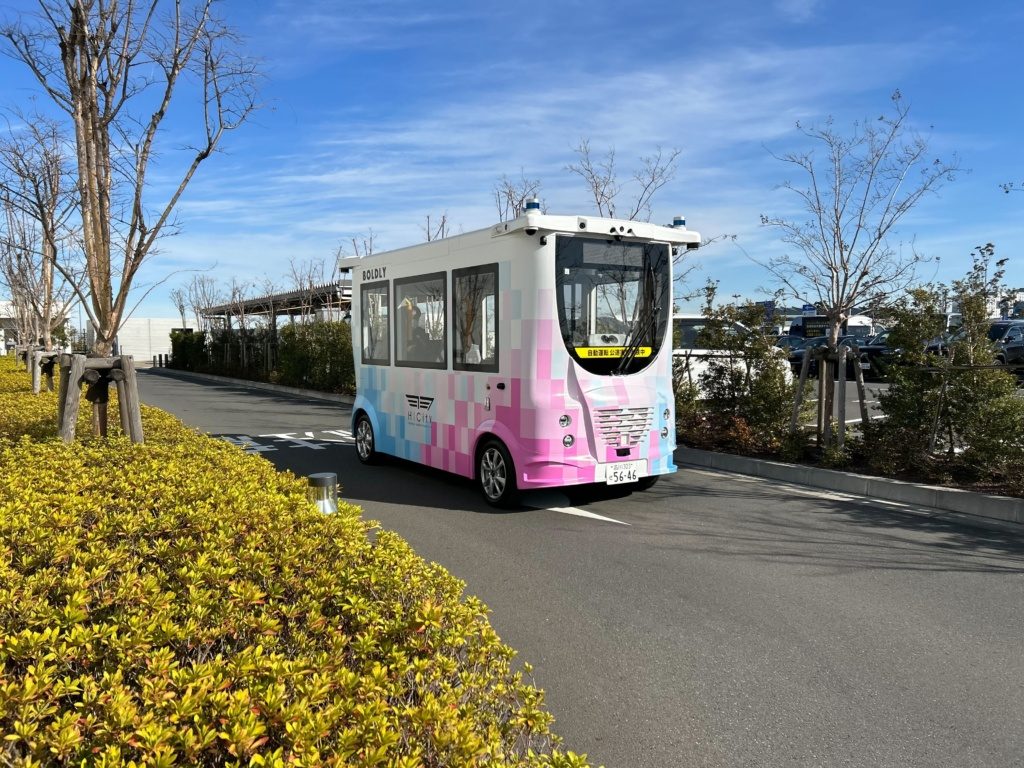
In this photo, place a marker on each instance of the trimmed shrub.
(188, 351)
(182, 603)
(316, 356)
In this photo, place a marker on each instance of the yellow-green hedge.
(182, 603)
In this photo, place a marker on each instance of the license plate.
(625, 472)
(865, 366)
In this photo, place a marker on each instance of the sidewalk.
(965, 506)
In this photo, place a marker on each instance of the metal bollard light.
(323, 491)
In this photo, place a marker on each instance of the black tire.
(366, 445)
(496, 475)
(646, 483)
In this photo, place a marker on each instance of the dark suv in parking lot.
(1009, 343)
(1006, 336)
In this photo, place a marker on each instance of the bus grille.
(623, 427)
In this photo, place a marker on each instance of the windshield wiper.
(644, 325)
(644, 328)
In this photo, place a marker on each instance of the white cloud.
(798, 11)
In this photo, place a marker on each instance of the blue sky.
(379, 113)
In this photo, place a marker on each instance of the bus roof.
(532, 222)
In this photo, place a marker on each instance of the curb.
(983, 508)
(310, 394)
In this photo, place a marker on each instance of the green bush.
(182, 603)
(742, 401)
(316, 356)
(953, 414)
(188, 351)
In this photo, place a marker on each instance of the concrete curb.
(278, 388)
(1002, 509)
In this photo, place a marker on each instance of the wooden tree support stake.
(42, 365)
(98, 373)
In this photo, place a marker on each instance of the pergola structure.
(329, 299)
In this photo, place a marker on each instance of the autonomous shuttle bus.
(532, 354)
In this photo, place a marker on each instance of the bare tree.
(438, 229)
(36, 188)
(306, 277)
(511, 197)
(362, 246)
(238, 297)
(115, 68)
(180, 300)
(854, 195)
(202, 293)
(601, 179)
(19, 271)
(41, 299)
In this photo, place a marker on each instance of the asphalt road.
(711, 621)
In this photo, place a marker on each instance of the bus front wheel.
(365, 447)
(496, 475)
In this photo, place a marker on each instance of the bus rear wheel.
(365, 447)
(496, 475)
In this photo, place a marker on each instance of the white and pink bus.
(533, 354)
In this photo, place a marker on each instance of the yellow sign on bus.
(609, 352)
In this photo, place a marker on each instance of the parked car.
(1010, 350)
(789, 341)
(877, 356)
(1000, 332)
(690, 347)
(796, 354)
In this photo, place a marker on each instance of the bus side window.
(374, 324)
(421, 308)
(475, 317)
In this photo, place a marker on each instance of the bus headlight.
(564, 420)
(568, 440)
(664, 432)
(666, 414)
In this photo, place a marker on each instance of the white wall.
(145, 337)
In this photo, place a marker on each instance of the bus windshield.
(613, 301)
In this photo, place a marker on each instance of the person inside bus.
(419, 345)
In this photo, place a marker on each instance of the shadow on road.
(789, 526)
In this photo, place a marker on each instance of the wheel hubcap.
(364, 439)
(492, 473)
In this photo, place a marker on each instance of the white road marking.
(553, 501)
(583, 513)
(816, 493)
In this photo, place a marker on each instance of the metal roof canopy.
(336, 295)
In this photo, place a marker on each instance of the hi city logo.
(418, 412)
